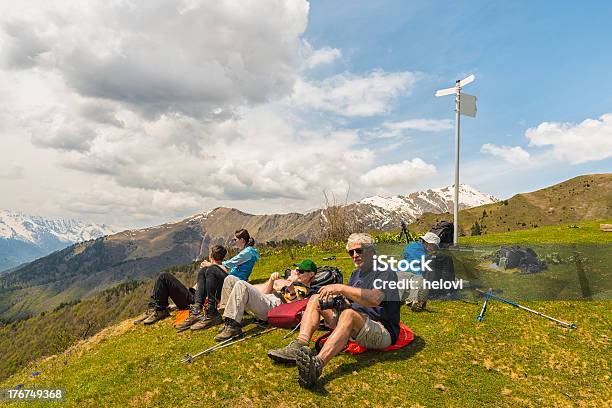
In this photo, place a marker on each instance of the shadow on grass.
(368, 359)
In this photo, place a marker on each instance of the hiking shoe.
(286, 354)
(211, 319)
(195, 315)
(231, 329)
(145, 315)
(309, 367)
(416, 306)
(156, 316)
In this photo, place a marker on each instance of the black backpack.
(519, 257)
(442, 267)
(444, 230)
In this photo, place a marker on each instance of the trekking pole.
(334, 257)
(491, 295)
(292, 331)
(188, 358)
(480, 317)
(245, 338)
(232, 340)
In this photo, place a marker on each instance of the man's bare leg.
(311, 318)
(349, 325)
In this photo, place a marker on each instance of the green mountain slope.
(84, 269)
(579, 199)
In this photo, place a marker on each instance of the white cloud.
(161, 56)
(590, 140)
(322, 56)
(423, 125)
(352, 95)
(513, 155)
(405, 173)
(136, 113)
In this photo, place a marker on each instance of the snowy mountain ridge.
(37, 230)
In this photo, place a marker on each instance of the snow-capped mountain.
(380, 212)
(24, 238)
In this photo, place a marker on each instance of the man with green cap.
(240, 296)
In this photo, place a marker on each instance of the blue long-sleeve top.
(242, 264)
(412, 251)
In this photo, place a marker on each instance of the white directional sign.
(467, 80)
(447, 91)
(464, 105)
(467, 105)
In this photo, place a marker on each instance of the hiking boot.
(417, 306)
(231, 329)
(309, 367)
(156, 316)
(286, 354)
(195, 315)
(145, 315)
(211, 319)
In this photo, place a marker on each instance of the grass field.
(511, 359)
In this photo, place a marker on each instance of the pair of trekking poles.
(489, 295)
(188, 358)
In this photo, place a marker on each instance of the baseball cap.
(308, 265)
(431, 238)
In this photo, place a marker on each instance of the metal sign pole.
(456, 199)
(469, 110)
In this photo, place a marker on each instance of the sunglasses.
(352, 252)
(301, 271)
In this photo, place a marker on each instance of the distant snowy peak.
(388, 210)
(468, 196)
(38, 230)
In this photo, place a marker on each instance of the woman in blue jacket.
(242, 264)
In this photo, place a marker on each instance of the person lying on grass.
(239, 296)
(371, 319)
(210, 277)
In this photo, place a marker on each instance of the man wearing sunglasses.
(372, 320)
(240, 296)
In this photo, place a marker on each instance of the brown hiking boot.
(231, 329)
(211, 319)
(286, 354)
(310, 367)
(195, 315)
(416, 306)
(145, 315)
(156, 316)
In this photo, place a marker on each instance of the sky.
(138, 113)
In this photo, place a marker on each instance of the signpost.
(464, 105)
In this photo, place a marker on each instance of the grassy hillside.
(77, 320)
(582, 198)
(586, 232)
(511, 359)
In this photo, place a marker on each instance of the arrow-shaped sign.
(447, 91)
(467, 80)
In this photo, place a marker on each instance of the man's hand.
(332, 290)
(274, 276)
(205, 264)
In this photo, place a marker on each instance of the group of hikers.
(359, 310)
